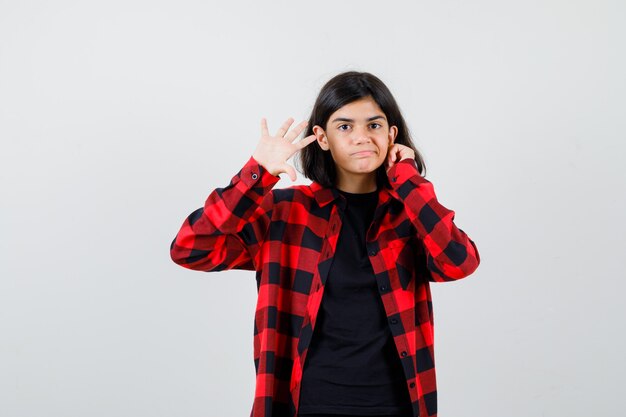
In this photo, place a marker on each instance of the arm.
(229, 230)
(450, 253)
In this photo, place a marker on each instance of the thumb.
(290, 171)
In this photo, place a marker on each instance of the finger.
(284, 127)
(296, 131)
(408, 155)
(290, 170)
(305, 142)
(404, 153)
(394, 153)
(264, 131)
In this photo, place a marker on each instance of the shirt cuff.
(253, 174)
(403, 171)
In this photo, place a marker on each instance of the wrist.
(264, 165)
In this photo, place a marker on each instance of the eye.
(377, 124)
(340, 126)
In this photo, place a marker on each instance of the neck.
(358, 184)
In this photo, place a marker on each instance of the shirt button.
(394, 179)
(394, 321)
(403, 354)
(412, 385)
(255, 176)
(383, 288)
(372, 252)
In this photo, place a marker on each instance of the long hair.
(317, 164)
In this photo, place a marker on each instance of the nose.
(361, 134)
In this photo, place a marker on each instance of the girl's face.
(358, 137)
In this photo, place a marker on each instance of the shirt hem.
(361, 411)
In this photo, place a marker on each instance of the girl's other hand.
(397, 153)
(272, 152)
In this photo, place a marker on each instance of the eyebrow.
(345, 119)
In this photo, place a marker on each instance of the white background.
(117, 119)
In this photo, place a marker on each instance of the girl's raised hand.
(272, 152)
(397, 153)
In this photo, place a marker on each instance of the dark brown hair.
(317, 164)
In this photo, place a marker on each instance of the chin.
(369, 170)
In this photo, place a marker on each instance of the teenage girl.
(343, 323)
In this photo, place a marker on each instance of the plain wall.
(118, 118)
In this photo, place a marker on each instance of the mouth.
(363, 153)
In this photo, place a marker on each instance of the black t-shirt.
(352, 365)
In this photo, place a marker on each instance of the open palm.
(272, 152)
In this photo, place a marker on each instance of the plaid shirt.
(288, 236)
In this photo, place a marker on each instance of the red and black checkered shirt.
(288, 236)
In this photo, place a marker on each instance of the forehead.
(362, 108)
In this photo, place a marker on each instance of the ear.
(393, 132)
(322, 140)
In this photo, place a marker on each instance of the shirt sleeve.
(227, 233)
(450, 253)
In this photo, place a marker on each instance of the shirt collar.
(324, 195)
